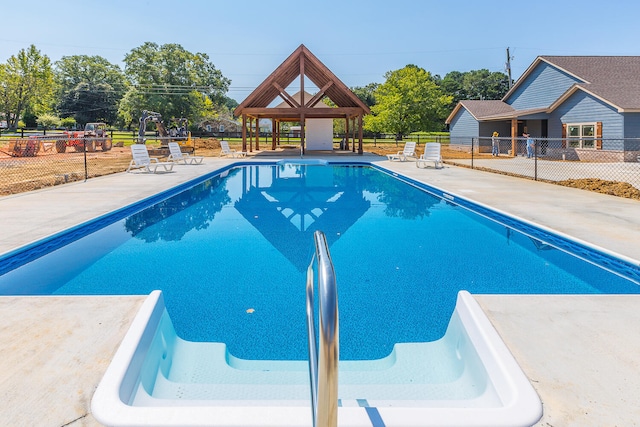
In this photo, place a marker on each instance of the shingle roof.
(615, 79)
(480, 109)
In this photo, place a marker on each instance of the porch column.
(514, 135)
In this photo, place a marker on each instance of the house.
(220, 125)
(575, 105)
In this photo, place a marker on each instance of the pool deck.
(581, 353)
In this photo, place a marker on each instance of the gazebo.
(300, 64)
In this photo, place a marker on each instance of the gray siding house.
(574, 104)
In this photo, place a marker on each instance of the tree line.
(80, 89)
(176, 83)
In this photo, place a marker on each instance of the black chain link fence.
(41, 161)
(552, 159)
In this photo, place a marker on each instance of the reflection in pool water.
(230, 256)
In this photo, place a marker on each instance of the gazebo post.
(346, 133)
(360, 149)
(302, 134)
(273, 133)
(244, 133)
(257, 133)
(353, 129)
(250, 133)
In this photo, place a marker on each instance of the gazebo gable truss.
(299, 64)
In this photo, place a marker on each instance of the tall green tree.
(475, 84)
(366, 93)
(483, 84)
(171, 81)
(26, 84)
(89, 88)
(452, 84)
(408, 101)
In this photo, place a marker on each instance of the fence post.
(472, 139)
(86, 170)
(535, 161)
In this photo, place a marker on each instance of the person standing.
(495, 144)
(530, 145)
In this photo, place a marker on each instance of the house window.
(581, 135)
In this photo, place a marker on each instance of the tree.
(408, 101)
(452, 84)
(89, 88)
(171, 81)
(366, 93)
(482, 84)
(475, 84)
(48, 121)
(68, 122)
(26, 83)
(91, 103)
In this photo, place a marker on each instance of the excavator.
(177, 133)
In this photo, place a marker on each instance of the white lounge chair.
(431, 154)
(226, 151)
(176, 155)
(141, 160)
(408, 151)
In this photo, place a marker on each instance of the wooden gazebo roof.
(300, 64)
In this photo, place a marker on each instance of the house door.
(522, 127)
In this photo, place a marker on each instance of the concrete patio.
(581, 353)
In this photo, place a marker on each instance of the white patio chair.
(176, 155)
(431, 154)
(402, 156)
(226, 151)
(141, 160)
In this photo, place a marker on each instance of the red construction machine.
(93, 137)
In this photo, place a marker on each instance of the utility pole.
(508, 67)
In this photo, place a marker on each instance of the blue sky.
(359, 40)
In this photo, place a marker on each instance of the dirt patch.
(614, 188)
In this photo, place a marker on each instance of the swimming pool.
(220, 240)
(234, 248)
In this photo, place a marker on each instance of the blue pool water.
(230, 255)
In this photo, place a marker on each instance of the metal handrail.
(323, 362)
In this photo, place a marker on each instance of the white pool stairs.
(408, 376)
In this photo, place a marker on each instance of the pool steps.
(468, 378)
(204, 373)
